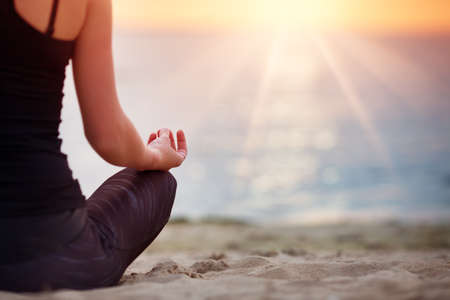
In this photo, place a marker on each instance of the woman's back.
(70, 15)
(45, 222)
(38, 41)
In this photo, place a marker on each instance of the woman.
(51, 237)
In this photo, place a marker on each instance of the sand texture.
(238, 261)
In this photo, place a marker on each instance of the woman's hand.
(116, 141)
(164, 151)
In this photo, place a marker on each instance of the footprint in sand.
(269, 253)
(163, 272)
(249, 262)
(294, 252)
(315, 271)
(217, 256)
(169, 267)
(209, 266)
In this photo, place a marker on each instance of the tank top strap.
(51, 24)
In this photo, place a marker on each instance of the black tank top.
(34, 175)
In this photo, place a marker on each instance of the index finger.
(182, 144)
(172, 141)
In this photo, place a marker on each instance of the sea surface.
(288, 127)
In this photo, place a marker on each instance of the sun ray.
(352, 98)
(235, 65)
(191, 68)
(184, 79)
(261, 98)
(389, 68)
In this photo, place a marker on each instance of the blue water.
(289, 127)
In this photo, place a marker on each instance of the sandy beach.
(231, 260)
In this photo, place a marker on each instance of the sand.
(238, 261)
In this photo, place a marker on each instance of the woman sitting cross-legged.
(52, 237)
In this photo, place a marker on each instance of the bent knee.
(169, 198)
(162, 179)
(171, 182)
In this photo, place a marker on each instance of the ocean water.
(288, 127)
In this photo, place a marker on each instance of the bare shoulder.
(70, 15)
(71, 18)
(99, 6)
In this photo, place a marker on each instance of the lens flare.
(354, 102)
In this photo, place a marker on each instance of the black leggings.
(120, 220)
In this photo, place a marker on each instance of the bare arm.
(106, 126)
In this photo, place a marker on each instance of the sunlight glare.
(354, 102)
(398, 73)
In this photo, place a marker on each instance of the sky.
(212, 15)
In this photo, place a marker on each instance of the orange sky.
(388, 15)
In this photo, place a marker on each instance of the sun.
(394, 15)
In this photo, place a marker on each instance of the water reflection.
(293, 128)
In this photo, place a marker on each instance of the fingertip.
(180, 134)
(151, 138)
(182, 144)
(164, 131)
